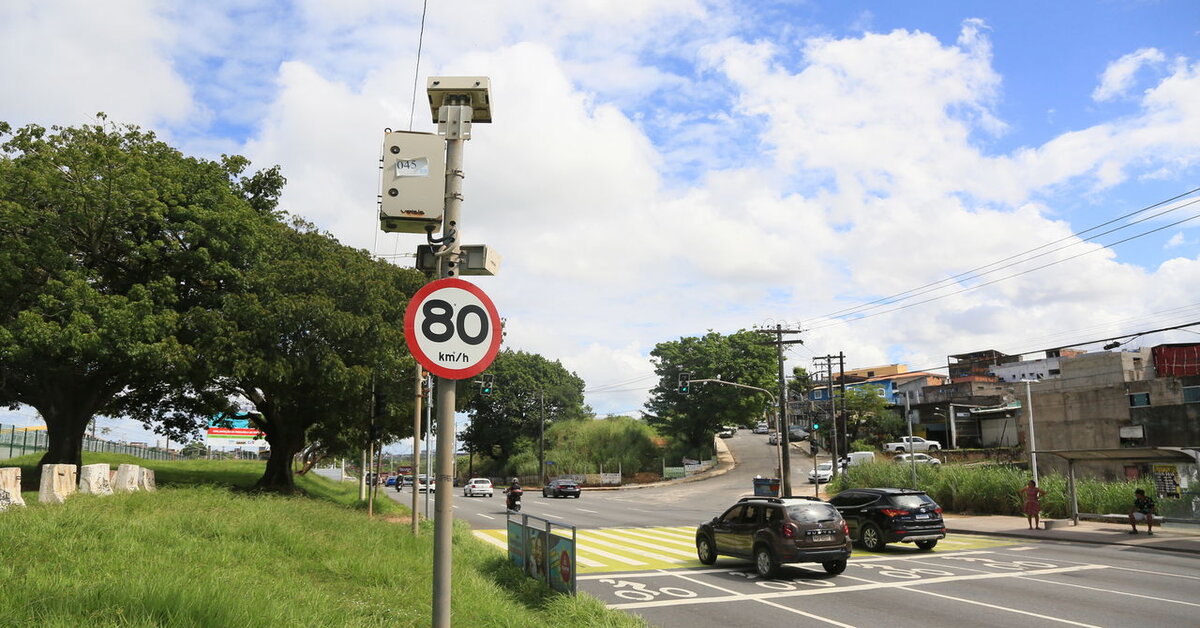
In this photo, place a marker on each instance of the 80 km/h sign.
(452, 328)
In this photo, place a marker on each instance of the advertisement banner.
(562, 564)
(235, 430)
(1166, 479)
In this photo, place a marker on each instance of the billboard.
(235, 430)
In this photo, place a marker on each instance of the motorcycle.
(514, 499)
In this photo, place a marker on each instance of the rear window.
(912, 501)
(812, 513)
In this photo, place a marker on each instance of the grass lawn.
(203, 551)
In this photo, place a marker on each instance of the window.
(1138, 400)
(1055, 372)
(1191, 394)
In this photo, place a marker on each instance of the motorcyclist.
(514, 494)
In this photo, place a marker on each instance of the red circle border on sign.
(410, 317)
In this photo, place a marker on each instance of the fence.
(16, 441)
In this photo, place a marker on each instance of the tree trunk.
(65, 427)
(286, 441)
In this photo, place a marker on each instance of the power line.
(1006, 277)
(1000, 264)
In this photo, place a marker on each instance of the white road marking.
(591, 550)
(659, 538)
(1144, 597)
(853, 588)
(1158, 573)
(588, 538)
(1019, 549)
(494, 541)
(808, 615)
(485, 516)
(586, 510)
(654, 546)
(1002, 608)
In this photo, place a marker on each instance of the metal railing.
(17, 441)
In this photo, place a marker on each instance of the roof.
(1130, 454)
(889, 491)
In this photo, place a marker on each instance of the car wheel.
(872, 538)
(577, 495)
(899, 450)
(545, 494)
(764, 562)
(933, 448)
(705, 551)
(834, 567)
(927, 545)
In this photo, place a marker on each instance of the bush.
(992, 489)
(861, 445)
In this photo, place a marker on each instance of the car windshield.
(812, 513)
(825, 466)
(912, 501)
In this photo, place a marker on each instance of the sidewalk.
(1172, 538)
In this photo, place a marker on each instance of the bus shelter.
(1147, 455)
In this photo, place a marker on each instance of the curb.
(1019, 535)
(725, 463)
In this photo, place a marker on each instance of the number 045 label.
(452, 328)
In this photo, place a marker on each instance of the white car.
(918, 458)
(762, 428)
(426, 485)
(477, 487)
(823, 473)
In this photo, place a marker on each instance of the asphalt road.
(636, 553)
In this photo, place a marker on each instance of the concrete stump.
(10, 488)
(94, 479)
(58, 482)
(146, 480)
(126, 479)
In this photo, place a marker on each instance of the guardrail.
(17, 441)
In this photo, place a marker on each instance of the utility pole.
(833, 422)
(785, 459)
(419, 393)
(542, 439)
(839, 422)
(912, 458)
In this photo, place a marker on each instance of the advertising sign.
(542, 553)
(236, 430)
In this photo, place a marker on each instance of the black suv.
(561, 488)
(776, 530)
(878, 516)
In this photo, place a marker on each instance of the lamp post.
(1029, 419)
(786, 482)
(912, 458)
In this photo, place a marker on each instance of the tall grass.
(200, 553)
(992, 489)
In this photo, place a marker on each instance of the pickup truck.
(917, 444)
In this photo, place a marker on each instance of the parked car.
(727, 432)
(878, 516)
(478, 487)
(918, 458)
(762, 428)
(796, 433)
(773, 439)
(855, 458)
(823, 473)
(561, 488)
(773, 531)
(916, 443)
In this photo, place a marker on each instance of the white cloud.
(66, 61)
(1119, 75)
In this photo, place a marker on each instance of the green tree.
(612, 443)
(320, 327)
(868, 416)
(194, 449)
(115, 249)
(693, 418)
(527, 387)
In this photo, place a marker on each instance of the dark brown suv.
(775, 530)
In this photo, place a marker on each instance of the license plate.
(822, 538)
(923, 516)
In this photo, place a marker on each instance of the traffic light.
(683, 382)
(815, 426)
(486, 385)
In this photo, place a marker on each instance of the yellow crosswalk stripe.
(639, 549)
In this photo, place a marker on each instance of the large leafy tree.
(317, 336)
(868, 415)
(693, 417)
(527, 387)
(115, 249)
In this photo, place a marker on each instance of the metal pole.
(1074, 495)
(542, 440)
(912, 459)
(953, 428)
(416, 467)
(428, 441)
(1029, 417)
(458, 115)
(362, 478)
(785, 460)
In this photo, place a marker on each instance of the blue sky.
(661, 168)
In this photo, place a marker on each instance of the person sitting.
(1143, 510)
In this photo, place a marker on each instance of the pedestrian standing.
(1143, 510)
(1031, 497)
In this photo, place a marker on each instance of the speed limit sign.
(452, 328)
